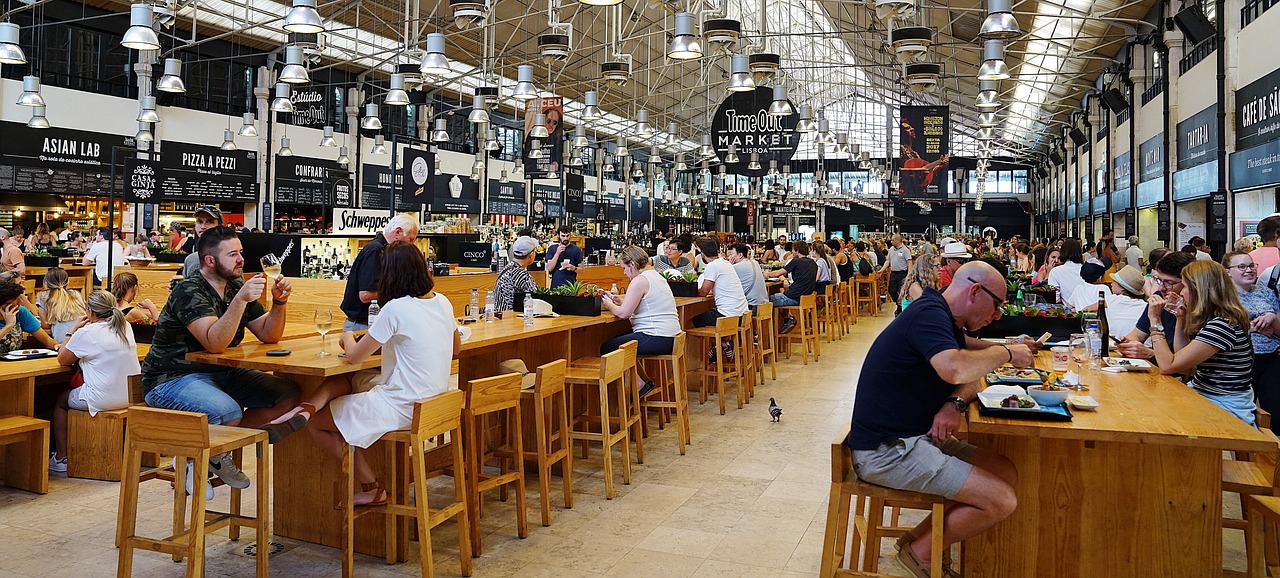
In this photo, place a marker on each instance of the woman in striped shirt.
(1211, 339)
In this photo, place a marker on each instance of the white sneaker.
(222, 466)
(191, 474)
(57, 466)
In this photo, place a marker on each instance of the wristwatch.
(959, 403)
(1157, 327)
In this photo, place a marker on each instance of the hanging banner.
(1198, 138)
(1122, 177)
(57, 160)
(589, 210)
(1258, 112)
(420, 165)
(574, 189)
(455, 194)
(552, 147)
(305, 181)
(924, 134)
(547, 203)
(1151, 157)
(209, 174)
(1255, 167)
(507, 198)
(312, 105)
(743, 120)
(342, 193)
(140, 182)
(640, 211)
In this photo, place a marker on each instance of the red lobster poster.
(924, 141)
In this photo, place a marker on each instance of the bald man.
(918, 378)
(898, 260)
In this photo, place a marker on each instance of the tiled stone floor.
(748, 500)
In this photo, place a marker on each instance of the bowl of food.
(1048, 394)
(140, 262)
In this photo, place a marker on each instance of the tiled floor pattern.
(748, 500)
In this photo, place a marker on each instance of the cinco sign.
(743, 120)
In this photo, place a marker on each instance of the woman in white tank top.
(648, 304)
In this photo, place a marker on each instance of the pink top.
(1265, 257)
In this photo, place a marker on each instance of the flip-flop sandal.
(380, 498)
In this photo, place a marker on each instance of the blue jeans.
(350, 325)
(222, 395)
(1240, 405)
(781, 300)
(645, 344)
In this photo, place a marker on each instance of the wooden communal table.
(304, 481)
(85, 271)
(25, 468)
(1133, 489)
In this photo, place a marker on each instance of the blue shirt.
(27, 321)
(1168, 320)
(899, 392)
(573, 255)
(1257, 302)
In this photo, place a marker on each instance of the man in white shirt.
(104, 248)
(718, 276)
(1086, 293)
(1133, 255)
(749, 274)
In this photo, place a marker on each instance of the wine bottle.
(1102, 324)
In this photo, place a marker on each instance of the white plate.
(28, 353)
(993, 395)
(1127, 364)
(1083, 402)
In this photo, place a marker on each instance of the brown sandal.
(379, 495)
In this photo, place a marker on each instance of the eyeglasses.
(1245, 267)
(1166, 282)
(998, 300)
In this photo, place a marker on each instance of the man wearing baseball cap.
(207, 216)
(514, 278)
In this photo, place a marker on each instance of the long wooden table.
(1133, 489)
(304, 481)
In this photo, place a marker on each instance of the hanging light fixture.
(621, 150)
(636, 171)
(343, 159)
(706, 151)
(248, 128)
(30, 92)
(842, 145)
(1000, 23)
(591, 106)
(295, 68)
(469, 13)
(780, 106)
(741, 80)
(434, 61)
(993, 66)
(672, 138)
(539, 129)
(148, 112)
(987, 119)
(580, 137)
(754, 165)
(326, 138)
(228, 140)
(144, 133)
(575, 159)
(38, 119)
(731, 157)
(491, 141)
(284, 151)
(371, 120)
(396, 95)
(684, 46)
(441, 132)
(10, 50)
(141, 34)
(477, 168)
(283, 101)
(642, 123)
(806, 123)
(654, 157)
(988, 95)
(986, 133)
(303, 18)
(171, 80)
(502, 177)
(479, 115)
(825, 136)
(535, 149)
(524, 89)
(705, 171)
(773, 168)
(378, 147)
(680, 164)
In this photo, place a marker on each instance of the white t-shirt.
(1202, 256)
(98, 254)
(107, 362)
(1085, 295)
(417, 348)
(1133, 256)
(1066, 277)
(731, 299)
(1123, 313)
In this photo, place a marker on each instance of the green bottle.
(1018, 301)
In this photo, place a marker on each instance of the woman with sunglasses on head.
(1263, 307)
(1211, 339)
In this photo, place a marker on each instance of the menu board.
(507, 198)
(204, 173)
(589, 209)
(58, 161)
(640, 209)
(306, 181)
(455, 194)
(547, 202)
(613, 206)
(375, 188)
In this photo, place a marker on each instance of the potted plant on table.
(684, 285)
(569, 299)
(171, 256)
(40, 258)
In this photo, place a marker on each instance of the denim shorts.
(1240, 405)
(222, 395)
(917, 464)
(350, 325)
(781, 300)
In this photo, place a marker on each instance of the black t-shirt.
(899, 392)
(804, 277)
(363, 277)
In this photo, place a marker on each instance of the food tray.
(1006, 375)
(990, 398)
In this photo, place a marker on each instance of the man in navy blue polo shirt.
(917, 380)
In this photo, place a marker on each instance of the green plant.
(40, 253)
(689, 277)
(173, 252)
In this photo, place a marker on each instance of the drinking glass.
(1080, 353)
(270, 270)
(1029, 299)
(323, 321)
(1173, 302)
(1061, 359)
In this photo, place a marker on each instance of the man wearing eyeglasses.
(1166, 280)
(953, 256)
(916, 383)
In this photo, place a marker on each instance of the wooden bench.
(30, 436)
(95, 444)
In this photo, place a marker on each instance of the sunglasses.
(998, 300)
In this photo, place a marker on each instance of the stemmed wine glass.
(271, 270)
(323, 320)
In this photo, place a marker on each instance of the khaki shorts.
(917, 464)
(364, 380)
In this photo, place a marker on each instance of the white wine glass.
(323, 320)
(270, 270)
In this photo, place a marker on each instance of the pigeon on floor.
(774, 410)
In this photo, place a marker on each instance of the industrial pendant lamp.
(491, 141)
(1000, 23)
(575, 159)
(591, 106)
(636, 171)
(806, 123)
(993, 66)
(680, 164)
(284, 151)
(741, 79)
(378, 147)
(326, 138)
(580, 137)
(479, 114)
(148, 112)
(502, 177)
(825, 137)
(535, 149)
(434, 61)
(295, 69)
(303, 18)
(780, 106)
(283, 101)
(706, 151)
(171, 80)
(621, 149)
(524, 89)
(141, 34)
(732, 156)
(144, 133)
(754, 165)
(248, 128)
(10, 50)
(539, 129)
(654, 157)
(371, 120)
(988, 95)
(672, 138)
(38, 119)
(228, 140)
(987, 119)
(642, 123)
(343, 159)
(684, 46)
(30, 92)
(441, 132)
(396, 95)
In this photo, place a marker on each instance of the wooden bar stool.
(671, 373)
(30, 436)
(849, 300)
(95, 444)
(766, 341)
(826, 315)
(432, 417)
(610, 381)
(497, 395)
(550, 406)
(711, 339)
(1262, 512)
(745, 361)
(189, 435)
(806, 329)
(868, 530)
(1259, 475)
(866, 294)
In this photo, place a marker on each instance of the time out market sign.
(743, 120)
(358, 221)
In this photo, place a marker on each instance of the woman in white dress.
(415, 365)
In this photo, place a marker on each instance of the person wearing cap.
(954, 254)
(362, 279)
(1133, 255)
(563, 263)
(1086, 293)
(207, 216)
(514, 277)
(898, 261)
